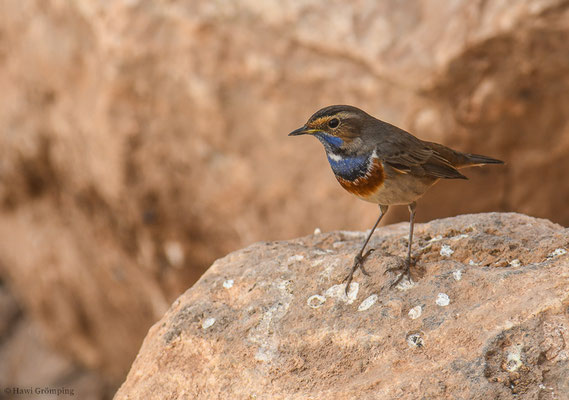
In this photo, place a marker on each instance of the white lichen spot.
(339, 292)
(329, 265)
(208, 322)
(405, 285)
(228, 284)
(263, 355)
(515, 263)
(320, 252)
(446, 251)
(368, 302)
(558, 252)
(174, 253)
(316, 263)
(472, 263)
(461, 236)
(442, 300)
(513, 359)
(415, 312)
(284, 286)
(415, 340)
(352, 234)
(263, 334)
(315, 301)
(457, 275)
(317, 231)
(295, 258)
(436, 238)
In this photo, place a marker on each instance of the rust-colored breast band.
(368, 184)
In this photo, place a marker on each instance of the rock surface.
(140, 140)
(487, 318)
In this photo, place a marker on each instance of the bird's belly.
(390, 189)
(402, 189)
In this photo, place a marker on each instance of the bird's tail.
(477, 159)
(459, 159)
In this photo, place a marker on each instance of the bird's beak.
(302, 131)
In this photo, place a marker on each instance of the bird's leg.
(407, 269)
(361, 256)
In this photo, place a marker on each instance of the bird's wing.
(407, 154)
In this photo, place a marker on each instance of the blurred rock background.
(140, 140)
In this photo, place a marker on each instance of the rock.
(141, 140)
(284, 331)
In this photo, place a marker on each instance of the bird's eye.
(333, 123)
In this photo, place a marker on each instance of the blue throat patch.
(349, 168)
(346, 167)
(331, 142)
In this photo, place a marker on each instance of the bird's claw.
(405, 271)
(358, 263)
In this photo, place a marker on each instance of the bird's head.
(338, 127)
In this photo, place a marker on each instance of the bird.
(383, 164)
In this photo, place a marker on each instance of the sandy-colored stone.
(140, 140)
(504, 334)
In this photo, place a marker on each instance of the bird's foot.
(359, 260)
(404, 272)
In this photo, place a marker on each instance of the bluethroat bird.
(383, 164)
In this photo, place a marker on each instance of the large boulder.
(486, 316)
